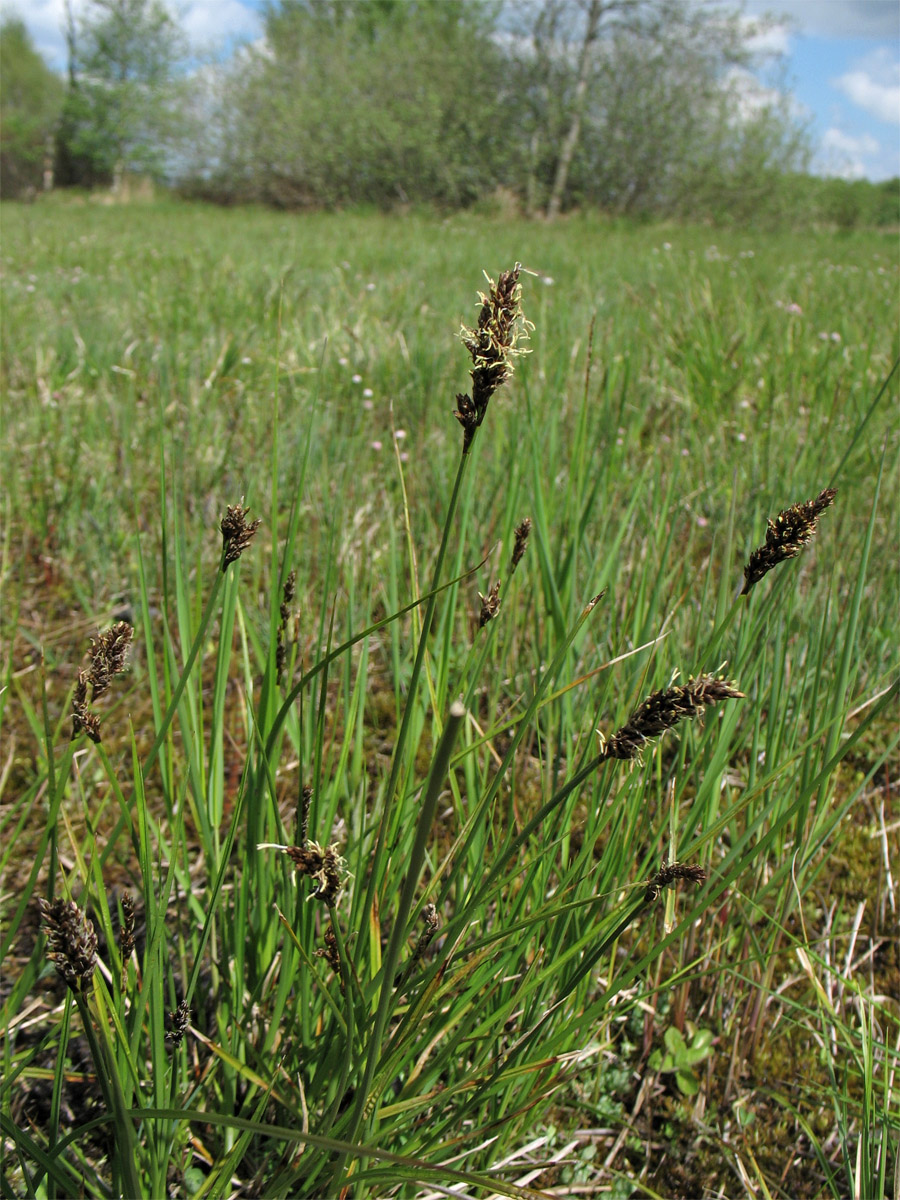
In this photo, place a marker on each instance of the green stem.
(185, 674)
(439, 767)
(400, 745)
(114, 1097)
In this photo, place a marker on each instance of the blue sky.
(842, 61)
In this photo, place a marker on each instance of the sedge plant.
(364, 966)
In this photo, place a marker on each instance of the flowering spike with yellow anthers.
(323, 864)
(493, 344)
(786, 536)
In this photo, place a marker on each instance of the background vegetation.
(636, 107)
(564, 1027)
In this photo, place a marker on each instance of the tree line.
(637, 107)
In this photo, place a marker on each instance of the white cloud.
(44, 20)
(874, 85)
(845, 155)
(766, 38)
(206, 22)
(836, 18)
(218, 22)
(752, 97)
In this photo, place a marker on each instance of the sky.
(841, 61)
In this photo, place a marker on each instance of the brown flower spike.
(324, 865)
(179, 1020)
(663, 710)
(523, 532)
(493, 346)
(490, 605)
(72, 943)
(786, 536)
(108, 654)
(668, 874)
(330, 951)
(287, 595)
(126, 934)
(237, 533)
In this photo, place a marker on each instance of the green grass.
(162, 362)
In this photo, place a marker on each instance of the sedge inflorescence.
(786, 536)
(493, 345)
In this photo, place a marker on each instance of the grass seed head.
(666, 708)
(523, 531)
(126, 926)
(493, 345)
(90, 723)
(324, 865)
(490, 605)
(237, 533)
(284, 612)
(330, 951)
(108, 654)
(126, 934)
(72, 943)
(79, 703)
(668, 874)
(179, 1021)
(786, 536)
(432, 922)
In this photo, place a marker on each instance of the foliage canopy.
(30, 101)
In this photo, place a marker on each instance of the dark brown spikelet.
(786, 536)
(668, 874)
(108, 654)
(664, 709)
(324, 865)
(237, 533)
(72, 943)
(490, 605)
(79, 703)
(330, 951)
(90, 723)
(284, 612)
(523, 530)
(178, 1021)
(126, 926)
(126, 934)
(432, 923)
(493, 346)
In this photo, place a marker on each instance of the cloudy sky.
(842, 59)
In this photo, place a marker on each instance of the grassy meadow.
(387, 901)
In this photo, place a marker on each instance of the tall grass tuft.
(393, 916)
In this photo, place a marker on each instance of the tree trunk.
(567, 153)
(531, 187)
(47, 175)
